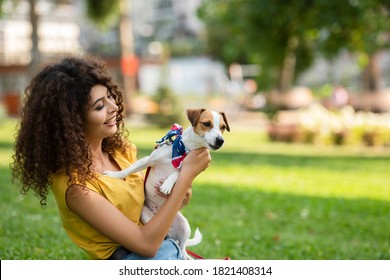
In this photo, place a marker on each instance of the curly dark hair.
(51, 135)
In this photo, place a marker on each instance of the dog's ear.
(193, 115)
(225, 120)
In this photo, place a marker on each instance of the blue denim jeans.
(169, 250)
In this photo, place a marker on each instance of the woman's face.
(101, 114)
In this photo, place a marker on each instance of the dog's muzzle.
(217, 144)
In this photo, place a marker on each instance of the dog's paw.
(166, 188)
(168, 184)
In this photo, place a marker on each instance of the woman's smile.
(102, 114)
(111, 121)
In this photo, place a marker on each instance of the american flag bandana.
(179, 151)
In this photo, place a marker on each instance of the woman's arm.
(143, 240)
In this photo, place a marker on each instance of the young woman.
(71, 130)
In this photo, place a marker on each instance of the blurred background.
(306, 71)
(314, 74)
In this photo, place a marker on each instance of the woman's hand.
(186, 199)
(196, 162)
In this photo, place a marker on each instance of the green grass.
(258, 200)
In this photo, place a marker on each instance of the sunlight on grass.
(7, 132)
(305, 181)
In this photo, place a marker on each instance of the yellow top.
(127, 195)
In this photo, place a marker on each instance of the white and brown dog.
(164, 162)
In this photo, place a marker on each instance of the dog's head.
(209, 125)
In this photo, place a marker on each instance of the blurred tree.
(33, 17)
(35, 53)
(169, 109)
(284, 36)
(268, 33)
(360, 26)
(103, 13)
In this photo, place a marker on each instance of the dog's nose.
(219, 142)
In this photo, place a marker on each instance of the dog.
(206, 130)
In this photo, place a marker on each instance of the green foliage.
(359, 26)
(265, 32)
(324, 91)
(103, 12)
(169, 111)
(186, 47)
(257, 200)
(1, 11)
(259, 32)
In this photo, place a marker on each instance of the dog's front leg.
(166, 188)
(137, 166)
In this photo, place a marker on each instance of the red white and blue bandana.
(179, 151)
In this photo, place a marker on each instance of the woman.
(72, 130)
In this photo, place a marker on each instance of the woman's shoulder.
(129, 152)
(59, 176)
(59, 183)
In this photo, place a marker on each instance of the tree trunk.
(287, 72)
(371, 75)
(127, 55)
(288, 68)
(35, 53)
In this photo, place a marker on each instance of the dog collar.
(179, 151)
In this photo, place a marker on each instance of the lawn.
(258, 200)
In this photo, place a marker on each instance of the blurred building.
(174, 23)
(171, 21)
(58, 35)
(167, 40)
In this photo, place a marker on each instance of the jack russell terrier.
(165, 162)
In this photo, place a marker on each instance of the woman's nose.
(113, 106)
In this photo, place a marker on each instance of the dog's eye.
(223, 127)
(207, 124)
